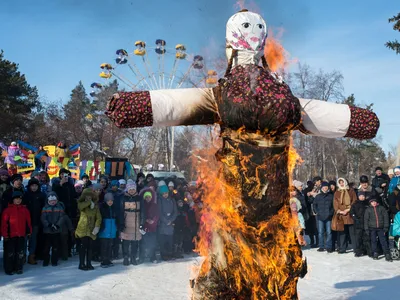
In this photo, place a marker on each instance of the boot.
(31, 259)
(82, 267)
(388, 257)
(375, 256)
(126, 261)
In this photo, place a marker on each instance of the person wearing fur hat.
(323, 204)
(151, 215)
(35, 201)
(362, 245)
(376, 223)
(88, 226)
(395, 181)
(15, 226)
(344, 198)
(168, 214)
(52, 219)
(108, 230)
(131, 224)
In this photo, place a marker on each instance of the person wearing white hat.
(122, 184)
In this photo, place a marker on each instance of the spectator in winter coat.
(323, 204)
(395, 181)
(16, 186)
(131, 222)
(394, 201)
(182, 234)
(88, 226)
(117, 204)
(140, 182)
(65, 190)
(390, 174)
(35, 201)
(122, 185)
(108, 230)
(300, 196)
(332, 186)
(44, 180)
(168, 214)
(15, 226)
(86, 181)
(362, 241)
(311, 223)
(151, 216)
(366, 188)
(380, 183)
(298, 219)
(376, 222)
(4, 183)
(52, 219)
(343, 199)
(104, 187)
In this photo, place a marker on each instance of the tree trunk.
(256, 255)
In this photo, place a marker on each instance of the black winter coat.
(377, 182)
(394, 202)
(67, 195)
(304, 209)
(35, 201)
(323, 204)
(357, 212)
(376, 218)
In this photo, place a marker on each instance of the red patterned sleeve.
(130, 109)
(364, 124)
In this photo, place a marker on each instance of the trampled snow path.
(331, 276)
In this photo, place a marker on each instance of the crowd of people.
(335, 214)
(105, 221)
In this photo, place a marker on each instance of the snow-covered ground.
(331, 276)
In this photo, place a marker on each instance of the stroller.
(395, 232)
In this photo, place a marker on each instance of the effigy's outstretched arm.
(198, 106)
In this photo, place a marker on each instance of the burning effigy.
(247, 237)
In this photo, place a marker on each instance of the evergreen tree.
(18, 102)
(395, 45)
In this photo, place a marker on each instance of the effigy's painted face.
(246, 31)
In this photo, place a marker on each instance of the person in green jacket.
(88, 226)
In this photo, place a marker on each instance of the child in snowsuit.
(131, 224)
(108, 231)
(168, 214)
(88, 226)
(376, 223)
(15, 226)
(151, 216)
(52, 219)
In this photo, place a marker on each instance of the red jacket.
(151, 212)
(16, 221)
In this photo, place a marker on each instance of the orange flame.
(228, 241)
(277, 57)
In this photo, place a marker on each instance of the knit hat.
(364, 179)
(34, 174)
(324, 183)
(362, 193)
(147, 194)
(79, 183)
(161, 183)
(16, 194)
(130, 181)
(122, 181)
(163, 189)
(390, 172)
(372, 199)
(396, 169)
(33, 181)
(378, 169)
(16, 177)
(171, 184)
(4, 172)
(108, 197)
(130, 186)
(97, 186)
(13, 144)
(297, 183)
(51, 196)
(115, 183)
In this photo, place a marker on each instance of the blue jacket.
(393, 183)
(109, 226)
(396, 225)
